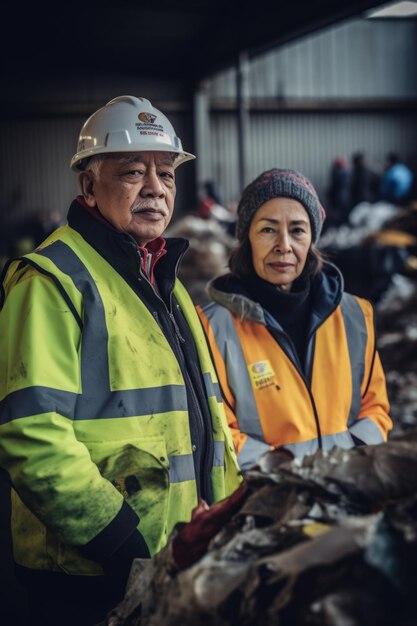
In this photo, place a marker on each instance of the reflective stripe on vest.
(366, 430)
(212, 389)
(218, 460)
(227, 339)
(37, 400)
(357, 336)
(341, 440)
(251, 449)
(181, 466)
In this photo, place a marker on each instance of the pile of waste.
(207, 256)
(365, 219)
(378, 243)
(377, 255)
(327, 541)
(397, 345)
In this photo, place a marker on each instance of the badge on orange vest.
(261, 374)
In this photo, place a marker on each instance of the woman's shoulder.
(229, 296)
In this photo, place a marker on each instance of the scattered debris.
(377, 254)
(207, 256)
(330, 540)
(327, 541)
(397, 345)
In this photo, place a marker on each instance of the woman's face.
(280, 238)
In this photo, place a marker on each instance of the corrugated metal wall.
(359, 61)
(308, 142)
(34, 165)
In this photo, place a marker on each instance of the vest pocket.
(139, 471)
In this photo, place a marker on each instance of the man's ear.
(86, 182)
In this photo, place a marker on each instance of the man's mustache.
(148, 206)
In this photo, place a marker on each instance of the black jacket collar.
(120, 249)
(326, 292)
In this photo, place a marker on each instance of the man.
(397, 180)
(112, 427)
(364, 182)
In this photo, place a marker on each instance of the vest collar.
(120, 249)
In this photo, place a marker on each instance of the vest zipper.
(204, 482)
(200, 432)
(176, 327)
(198, 445)
(148, 263)
(275, 332)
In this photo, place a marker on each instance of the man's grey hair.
(94, 164)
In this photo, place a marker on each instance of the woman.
(295, 355)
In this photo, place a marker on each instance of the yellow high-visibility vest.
(93, 407)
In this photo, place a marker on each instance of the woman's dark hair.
(240, 262)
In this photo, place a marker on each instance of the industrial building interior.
(248, 86)
(61, 64)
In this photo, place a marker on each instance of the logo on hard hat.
(147, 118)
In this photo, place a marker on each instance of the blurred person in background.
(365, 181)
(112, 427)
(295, 355)
(211, 207)
(210, 197)
(339, 193)
(397, 180)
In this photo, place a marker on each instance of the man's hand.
(118, 564)
(192, 540)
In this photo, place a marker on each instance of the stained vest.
(338, 398)
(101, 414)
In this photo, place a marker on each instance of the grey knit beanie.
(279, 183)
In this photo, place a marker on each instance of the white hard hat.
(128, 124)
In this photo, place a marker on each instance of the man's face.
(135, 192)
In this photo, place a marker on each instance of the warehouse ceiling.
(165, 39)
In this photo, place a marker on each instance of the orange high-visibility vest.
(340, 400)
